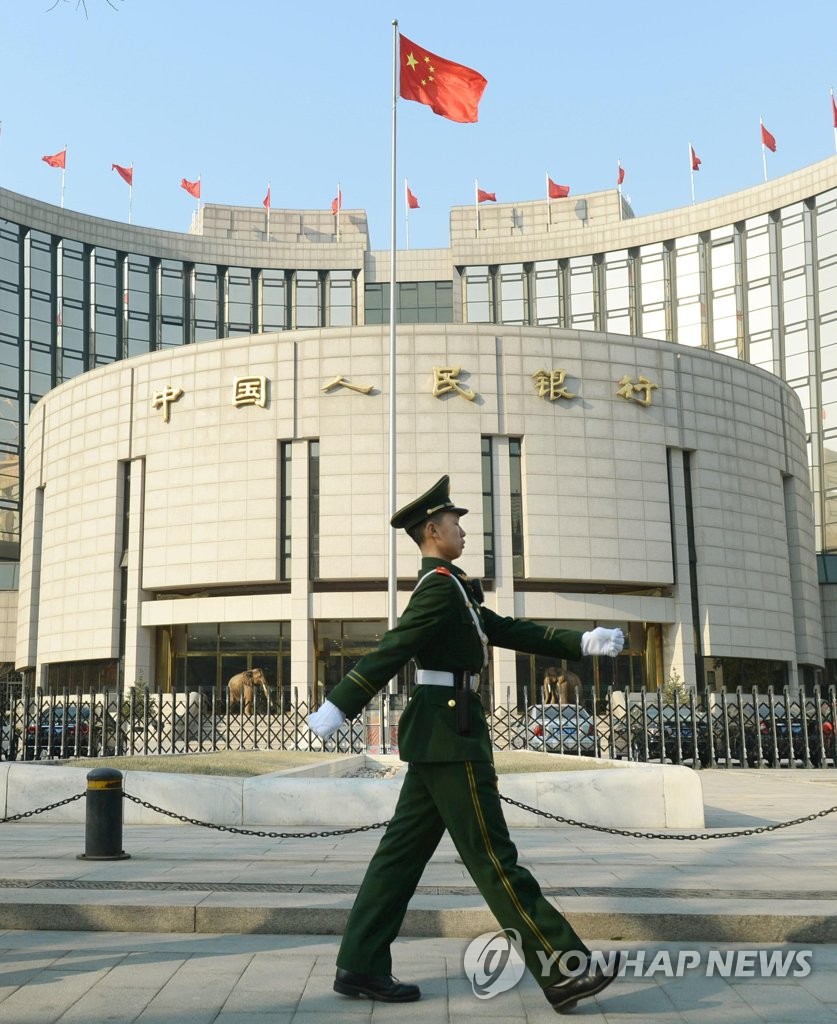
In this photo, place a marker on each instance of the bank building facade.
(639, 412)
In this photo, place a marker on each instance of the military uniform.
(450, 783)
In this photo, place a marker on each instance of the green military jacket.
(438, 631)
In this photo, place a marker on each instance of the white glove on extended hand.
(325, 720)
(607, 642)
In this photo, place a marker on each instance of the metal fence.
(740, 729)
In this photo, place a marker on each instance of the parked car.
(567, 729)
(790, 732)
(56, 732)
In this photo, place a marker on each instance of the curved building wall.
(639, 482)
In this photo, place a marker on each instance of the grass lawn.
(247, 763)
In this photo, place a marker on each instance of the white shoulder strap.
(469, 604)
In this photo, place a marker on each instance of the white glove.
(607, 642)
(325, 720)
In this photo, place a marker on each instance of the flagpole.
(692, 171)
(392, 577)
(268, 210)
(63, 175)
(619, 183)
(339, 205)
(406, 215)
(131, 192)
(834, 120)
(763, 153)
(477, 204)
(548, 201)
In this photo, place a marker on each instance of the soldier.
(450, 782)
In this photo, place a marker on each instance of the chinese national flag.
(768, 140)
(337, 203)
(412, 202)
(450, 90)
(620, 177)
(833, 111)
(696, 160)
(558, 191)
(266, 200)
(125, 173)
(192, 187)
(57, 159)
(486, 197)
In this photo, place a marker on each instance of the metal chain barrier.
(40, 810)
(664, 835)
(249, 832)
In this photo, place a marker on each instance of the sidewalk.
(143, 938)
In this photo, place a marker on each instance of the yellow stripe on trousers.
(547, 947)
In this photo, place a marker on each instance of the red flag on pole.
(266, 200)
(620, 177)
(767, 139)
(337, 203)
(486, 197)
(125, 173)
(696, 160)
(57, 159)
(558, 191)
(833, 110)
(192, 187)
(449, 89)
(412, 202)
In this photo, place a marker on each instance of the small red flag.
(768, 140)
(833, 110)
(192, 187)
(125, 173)
(337, 203)
(57, 159)
(412, 202)
(449, 89)
(696, 160)
(486, 197)
(558, 191)
(620, 177)
(266, 200)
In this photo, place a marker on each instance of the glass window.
(516, 488)
(582, 303)
(314, 510)
(793, 236)
(488, 507)
(341, 298)
(514, 294)
(172, 304)
(308, 305)
(137, 306)
(547, 283)
(479, 304)
(205, 318)
(239, 301)
(796, 353)
(794, 296)
(419, 302)
(274, 301)
(285, 465)
(688, 283)
(828, 343)
(618, 272)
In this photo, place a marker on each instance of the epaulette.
(442, 571)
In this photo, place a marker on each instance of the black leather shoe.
(375, 986)
(565, 994)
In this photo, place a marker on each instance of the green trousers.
(462, 797)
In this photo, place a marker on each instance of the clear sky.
(300, 94)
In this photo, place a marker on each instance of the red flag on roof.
(192, 187)
(449, 89)
(57, 159)
(696, 160)
(620, 176)
(833, 110)
(266, 200)
(125, 173)
(558, 191)
(767, 139)
(486, 197)
(412, 202)
(337, 203)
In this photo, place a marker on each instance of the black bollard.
(103, 832)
